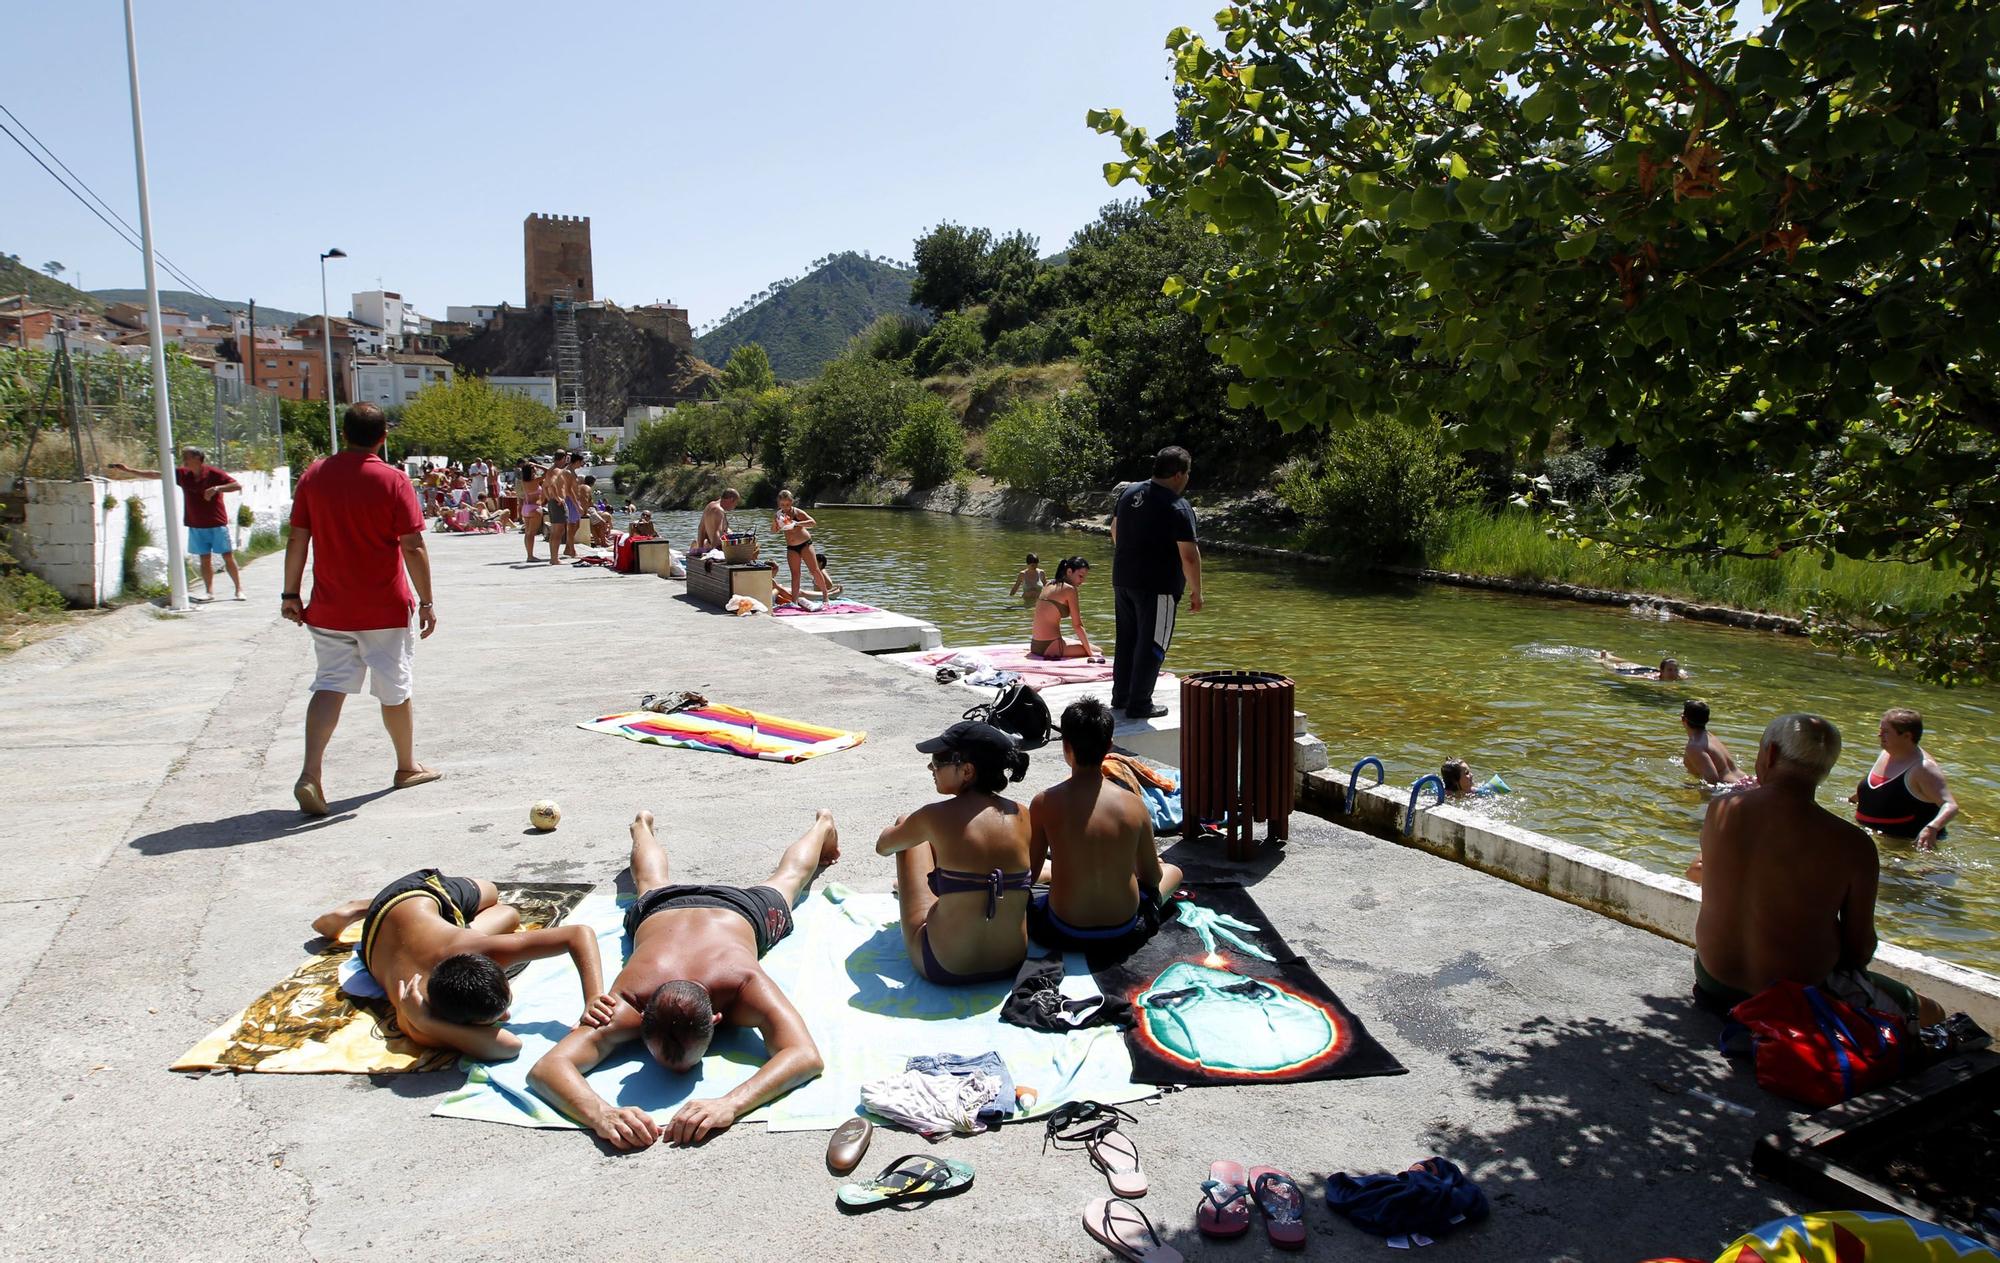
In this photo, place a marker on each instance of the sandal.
(1224, 1212)
(914, 1177)
(1123, 1229)
(422, 776)
(1094, 1125)
(1283, 1206)
(310, 798)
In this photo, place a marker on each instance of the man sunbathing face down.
(440, 946)
(1106, 880)
(694, 967)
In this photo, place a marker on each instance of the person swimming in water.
(1028, 584)
(1668, 670)
(1457, 777)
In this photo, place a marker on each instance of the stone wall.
(556, 250)
(72, 533)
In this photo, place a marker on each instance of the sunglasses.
(944, 761)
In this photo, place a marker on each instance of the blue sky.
(716, 147)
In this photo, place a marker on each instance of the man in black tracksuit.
(1154, 559)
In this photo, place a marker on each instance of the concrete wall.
(72, 539)
(1617, 888)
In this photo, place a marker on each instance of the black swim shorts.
(767, 911)
(457, 900)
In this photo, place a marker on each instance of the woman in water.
(1060, 597)
(528, 483)
(791, 522)
(962, 864)
(1028, 584)
(1668, 670)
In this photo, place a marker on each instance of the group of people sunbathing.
(966, 869)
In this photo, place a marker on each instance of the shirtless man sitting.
(1788, 888)
(1705, 757)
(440, 947)
(1106, 879)
(714, 529)
(693, 967)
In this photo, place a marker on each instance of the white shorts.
(386, 656)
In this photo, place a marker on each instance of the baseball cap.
(972, 739)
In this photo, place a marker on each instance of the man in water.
(1904, 795)
(714, 529)
(1788, 888)
(694, 966)
(1668, 670)
(1107, 886)
(1705, 757)
(439, 947)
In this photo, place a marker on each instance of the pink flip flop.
(1123, 1229)
(1224, 1212)
(1283, 1206)
(1112, 1152)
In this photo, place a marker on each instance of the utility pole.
(163, 421)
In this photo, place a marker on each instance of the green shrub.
(930, 445)
(893, 338)
(953, 342)
(1036, 343)
(137, 535)
(24, 593)
(245, 516)
(1378, 489)
(1050, 448)
(844, 422)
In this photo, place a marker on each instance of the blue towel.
(985, 1063)
(1429, 1199)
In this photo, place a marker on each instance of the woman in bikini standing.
(791, 522)
(528, 485)
(1060, 597)
(962, 864)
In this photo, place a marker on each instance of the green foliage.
(466, 419)
(42, 290)
(930, 444)
(1036, 343)
(25, 593)
(893, 338)
(772, 417)
(1764, 262)
(246, 517)
(1050, 448)
(810, 322)
(306, 431)
(1012, 286)
(748, 371)
(951, 268)
(844, 423)
(138, 535)
(1379, 491)
(954, 342)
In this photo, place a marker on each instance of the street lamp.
(326, 347)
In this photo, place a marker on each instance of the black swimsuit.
(1891, 808)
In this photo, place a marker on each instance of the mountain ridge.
(215, 310)
(810, 321)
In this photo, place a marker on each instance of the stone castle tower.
(557, 252)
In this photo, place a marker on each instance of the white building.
(390, 381)
(385, 310)
(540, 389)
(477, 317)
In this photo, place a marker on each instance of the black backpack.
(1019, 710)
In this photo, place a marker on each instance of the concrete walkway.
(158, 878)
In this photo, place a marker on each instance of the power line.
(128, 234)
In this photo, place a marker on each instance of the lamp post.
(326, 347)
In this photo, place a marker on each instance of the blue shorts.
(209, 539)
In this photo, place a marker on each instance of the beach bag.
(1020, 710)
(1814, 1048)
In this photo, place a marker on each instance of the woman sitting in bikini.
(1060, 597)
(791, 522)
(962, 864)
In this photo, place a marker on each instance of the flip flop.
(1283, 1206)
(1224, 1212)
(849, 1142)
(423, 776)
(311, 800)
(1094, 1125)
(1123, 1229)
(914, 1177)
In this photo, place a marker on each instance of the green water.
(1418, 674)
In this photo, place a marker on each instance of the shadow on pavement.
(252, 826)
(1204, 859)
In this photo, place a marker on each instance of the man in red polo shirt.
(360, 519)
(205, 513)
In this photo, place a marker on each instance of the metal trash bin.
(1237, 756)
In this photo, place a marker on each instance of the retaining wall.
(72, 533)
(1616, 888)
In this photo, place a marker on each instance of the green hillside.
(212, 309)
(18, 277)
(807, 323)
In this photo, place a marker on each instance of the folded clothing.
(1038, 1003)
(988, 1063)
(932, 1105)
(1428, 1200)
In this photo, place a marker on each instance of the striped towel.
(728, 730)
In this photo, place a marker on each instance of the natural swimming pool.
(1415, 674)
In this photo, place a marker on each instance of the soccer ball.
(545, 815)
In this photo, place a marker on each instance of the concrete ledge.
(883, 631)
(1590, 879)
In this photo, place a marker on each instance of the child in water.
(1457, 777)
(1028, 584)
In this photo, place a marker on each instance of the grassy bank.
(1516, 545)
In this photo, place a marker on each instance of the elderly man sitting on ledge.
(1788, 888)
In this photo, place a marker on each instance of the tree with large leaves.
(1765, 261)
(466, 419)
